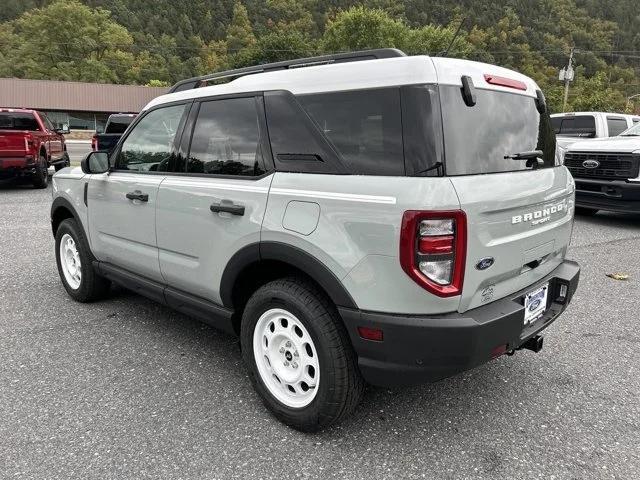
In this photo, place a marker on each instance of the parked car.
(114, 128)
(29, 145)
(607, 173)
(363, 217)
(573, 126)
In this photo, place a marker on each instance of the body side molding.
(192, 306)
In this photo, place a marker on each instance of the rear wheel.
(586, 212)
(75, 267)
(299, 355)
(41, 175)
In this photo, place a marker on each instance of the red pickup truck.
(29, 145)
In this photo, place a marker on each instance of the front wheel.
(299, 355)
(75, 267)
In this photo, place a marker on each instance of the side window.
(575, 126)
(46, 121)
(616, 126)
(149, 146)
(226, 139)
(365, 126)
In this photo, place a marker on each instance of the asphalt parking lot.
(125, 388)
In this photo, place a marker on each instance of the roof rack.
(197, 82)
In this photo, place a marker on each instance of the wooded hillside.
(158, 42)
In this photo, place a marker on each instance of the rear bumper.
(613, 195)
(16, 166)
(420, 349)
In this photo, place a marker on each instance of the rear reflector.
(505, 82)
(368, 333)
(499, 350)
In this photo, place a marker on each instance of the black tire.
(586, 212)
(92, 286)
(66, 162)
(41, 177)
(341, 386)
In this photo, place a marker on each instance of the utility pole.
(567, 75)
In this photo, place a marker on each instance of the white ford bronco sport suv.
(363, 217)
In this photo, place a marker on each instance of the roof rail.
(197, 82)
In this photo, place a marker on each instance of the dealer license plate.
(535, 303)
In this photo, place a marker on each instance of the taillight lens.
(28, 143)
(94, 143)
(433, 248)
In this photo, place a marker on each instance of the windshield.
(632, 132)
(574, 125)
(18, 121)
(498, 134)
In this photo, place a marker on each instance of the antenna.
(455, 36)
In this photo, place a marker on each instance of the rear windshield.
(478, 138)
(18, 121)
(118, 124)
(575, 126)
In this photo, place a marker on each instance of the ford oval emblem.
(535, 304)
(485, 263)
(591, 163)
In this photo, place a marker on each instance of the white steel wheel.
(286, 358)
(70, 261)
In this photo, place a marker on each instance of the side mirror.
(95, 162)
(62, 130)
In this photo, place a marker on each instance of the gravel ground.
(129, 389)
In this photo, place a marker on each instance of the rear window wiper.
(532, 157)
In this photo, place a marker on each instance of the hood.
(610, 144)
(566, 142)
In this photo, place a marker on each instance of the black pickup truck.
(113, 130)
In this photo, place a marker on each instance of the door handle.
(138, 195)
(231, 208)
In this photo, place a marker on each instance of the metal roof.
(75, 96)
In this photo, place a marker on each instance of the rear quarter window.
(365, 127)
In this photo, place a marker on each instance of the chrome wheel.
(286, 358)
(70, 261)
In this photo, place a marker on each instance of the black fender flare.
(61, 202)
(294, 256)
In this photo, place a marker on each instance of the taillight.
(433, 247)
(28, 143)
(94, 143)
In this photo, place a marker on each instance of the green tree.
(360, 28)
(70, 41)
(240, 33)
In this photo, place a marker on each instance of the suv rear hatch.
(519, 218)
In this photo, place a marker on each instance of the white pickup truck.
(573, 126)
(607, 173)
